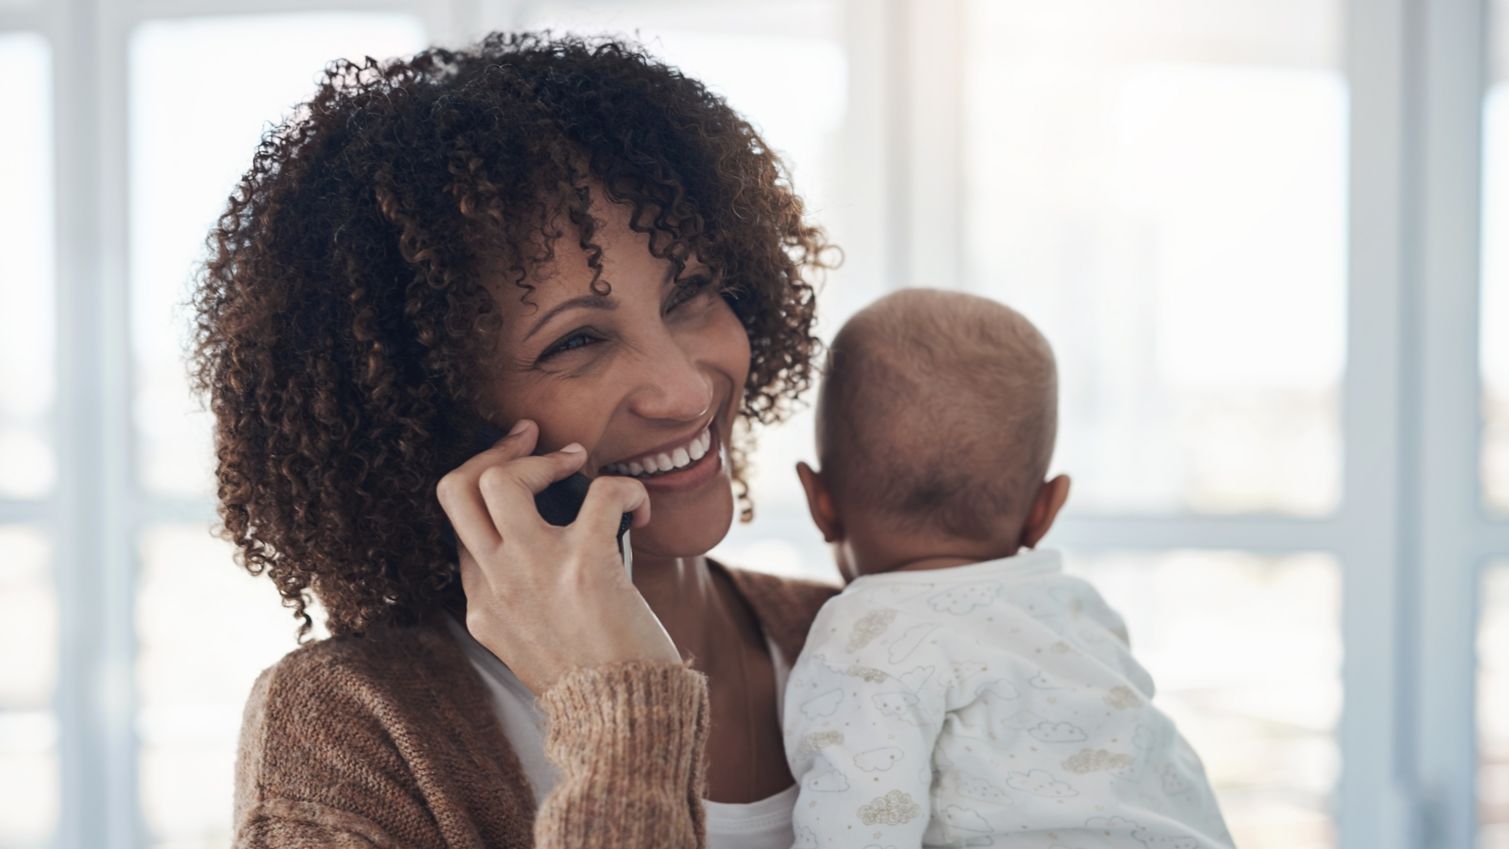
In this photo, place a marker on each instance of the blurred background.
(1269, 240)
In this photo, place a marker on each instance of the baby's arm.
(859, 736)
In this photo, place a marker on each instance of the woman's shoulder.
(382, 677)
(386, 657)
(341, 721)
(784, 605)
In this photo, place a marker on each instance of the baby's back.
(990, 704)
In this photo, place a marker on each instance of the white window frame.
(1411, 534)
(1455, 537)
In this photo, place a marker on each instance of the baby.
(962, 690)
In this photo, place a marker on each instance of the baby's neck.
(875, 545)
(919, 562)
(930, 563)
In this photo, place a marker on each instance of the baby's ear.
(1050, 499)
(820, 503)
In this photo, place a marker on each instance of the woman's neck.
(682, 594)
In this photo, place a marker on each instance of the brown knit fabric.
(388, 741)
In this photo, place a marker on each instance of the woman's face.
(643, 378)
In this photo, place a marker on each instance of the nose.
(674, 385)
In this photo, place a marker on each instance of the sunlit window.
(28, 726)
(1246, 654)
(27, 459)
(192, 136)
(193, 690)
(29, 776)
(1493, 709)
(1161, 187)
(1493, 332)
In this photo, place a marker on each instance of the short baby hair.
(938, 409)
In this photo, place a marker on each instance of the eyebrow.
(599, 302)
(590, 300)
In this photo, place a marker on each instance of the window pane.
(184, 162)
(26, 269)
(205, 629)
(192, 136)
(1493, 710)
(1161, 187)
(28, 728)
(1494, 330)
(1259, 704)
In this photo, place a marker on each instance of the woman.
(576, 244)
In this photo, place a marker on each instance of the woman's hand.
(545, 599)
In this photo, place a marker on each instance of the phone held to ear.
(560, 502)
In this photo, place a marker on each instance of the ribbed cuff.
(644, 720)
(628, 739)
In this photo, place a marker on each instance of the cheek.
(731, 345)
(565, 413)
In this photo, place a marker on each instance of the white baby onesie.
(993, 704)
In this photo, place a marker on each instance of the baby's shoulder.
(859, 627)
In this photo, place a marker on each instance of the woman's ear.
(820, 503)
(1050, 499)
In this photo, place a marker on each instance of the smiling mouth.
(663, 462)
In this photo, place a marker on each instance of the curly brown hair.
(341, 311)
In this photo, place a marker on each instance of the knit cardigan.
(387, 741)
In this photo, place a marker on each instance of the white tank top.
(762, 824)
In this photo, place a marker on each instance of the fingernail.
(573, 448)
(518, 427)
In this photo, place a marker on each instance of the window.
(26, 325)
(28, 726)
(1238, 222)
(1493, 709)
(1246, 654)
(1494, 333)
(1492, 632)
(29, 777)
(191, 137)
(1162, 189)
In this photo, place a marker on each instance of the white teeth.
(666, 461)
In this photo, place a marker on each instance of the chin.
(688, 529)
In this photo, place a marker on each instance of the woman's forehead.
(623, 259)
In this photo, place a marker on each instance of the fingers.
(517, 443)
(609, 498)
(473, 579)
(509, 489)
(467, 510)
(534, 473)
(460, 498)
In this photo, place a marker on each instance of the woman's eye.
(693, 287)
(570, 343)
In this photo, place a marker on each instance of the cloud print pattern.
(995, 704)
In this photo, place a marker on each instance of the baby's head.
(935, 425)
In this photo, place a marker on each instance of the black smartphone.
(560, 502)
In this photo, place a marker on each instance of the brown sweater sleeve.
(628, 739)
